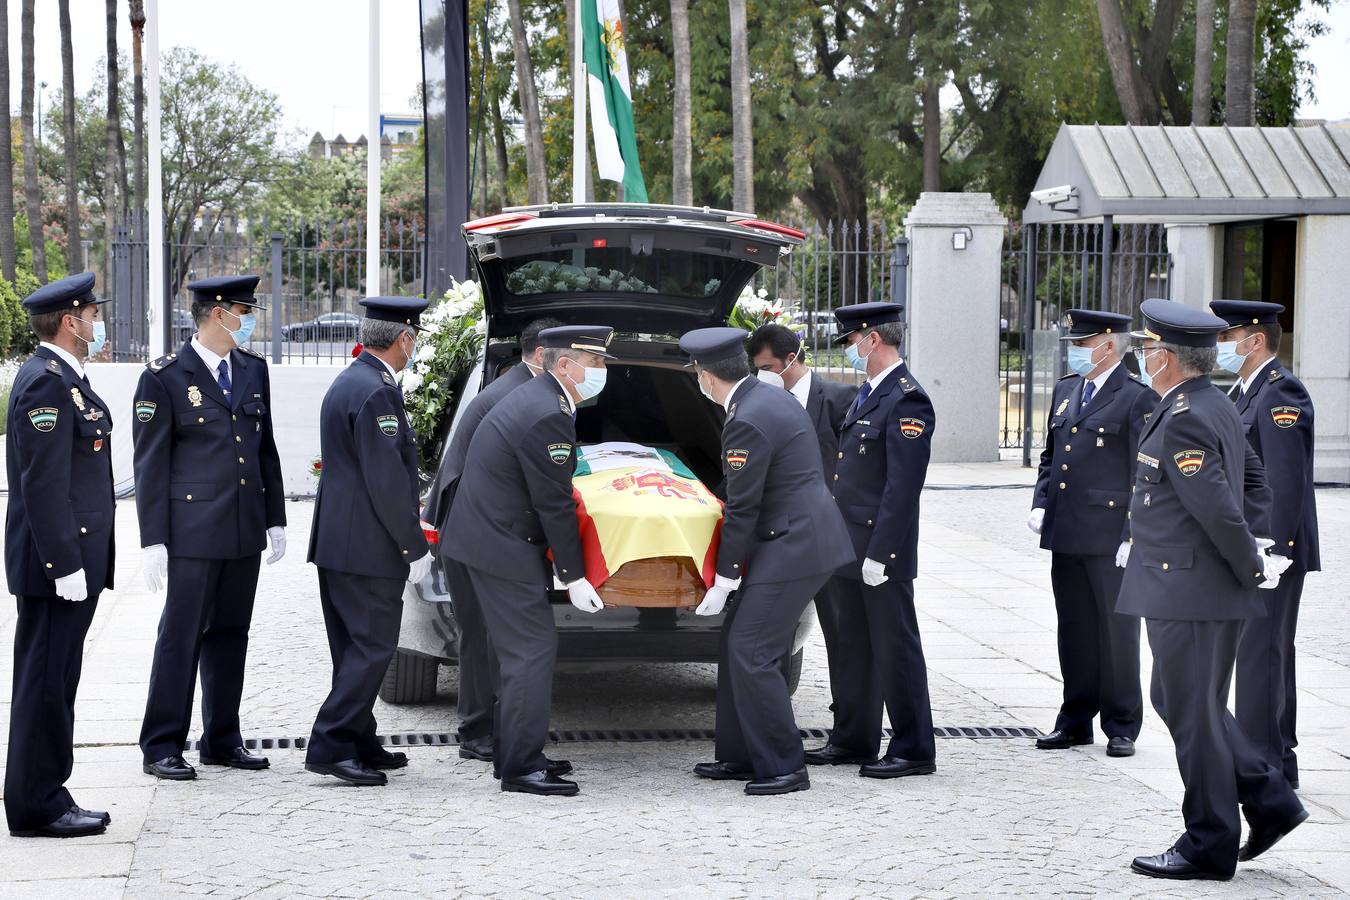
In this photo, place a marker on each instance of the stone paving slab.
(999, 818)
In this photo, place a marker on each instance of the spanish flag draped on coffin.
(649, 528)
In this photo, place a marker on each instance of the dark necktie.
(863, 393)
(1089, 389)
(223, 377)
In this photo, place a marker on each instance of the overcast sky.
(312, 53)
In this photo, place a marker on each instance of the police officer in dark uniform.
(512, 507)
(209, 496)
(1192, 570)
(1277, 415)
(781, 537)
(58, 552)
(882, 463)
(779, 357)
(367, 538)
(1082, 493)
(477, 660)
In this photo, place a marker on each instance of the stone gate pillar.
(1322, 338)
(956, 251)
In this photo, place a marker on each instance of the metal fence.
(313, 273)
(1047, 270)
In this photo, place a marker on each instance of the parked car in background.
(183, 326)
(334, 326)
(821, 327)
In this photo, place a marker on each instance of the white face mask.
(704, 390)
(772, 378)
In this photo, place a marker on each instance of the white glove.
(874, 573)
(277, 535)
(1035, 519)
(584, 597)
(715, 598)
(155, 566)
(1272, 573)
(1123, 554)
(418, 570)
(1263, 544)
(72, 586)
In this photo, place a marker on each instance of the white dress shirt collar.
(1256, 373)
(1100, 381)
(572, 407)
(875, 382)
(211, 359)
(802, 389)
(66, 357)
(726, 403)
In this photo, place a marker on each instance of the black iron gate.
(1051, 268)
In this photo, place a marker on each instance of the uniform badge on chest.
(194, 395)
(78, 398)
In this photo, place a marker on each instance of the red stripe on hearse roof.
(774, 227)
(498, 221)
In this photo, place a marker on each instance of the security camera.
(1052, 196)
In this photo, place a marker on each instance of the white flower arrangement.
(454, 331)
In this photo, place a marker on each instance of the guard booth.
(1248, 214)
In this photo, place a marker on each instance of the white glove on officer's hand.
(874, 573)
(1123, 554)
(715, 598)
(1035, 520)
(1272, 573)
(277, 535)
(1263, 544)
(419, 569)
(584, 597)
(72, 586)
(155, 566)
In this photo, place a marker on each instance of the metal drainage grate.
(640, 735)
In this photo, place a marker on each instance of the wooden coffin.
(662, 581)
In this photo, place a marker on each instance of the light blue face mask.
(593, 383)
(1144, 376)
(1080, 359)
(1228, 357)
(854, 359)
(247, 323)
(97, 339)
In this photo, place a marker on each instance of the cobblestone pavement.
(998, 818)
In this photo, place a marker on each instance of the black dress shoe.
(93, 814)
(1259, 840)
(895, 767)
(170, 768)
(1062, 740)
(352, 771)
(780, 784)
(541, 783)
(551, 766)
(830, 755)
(71, 824)
(385, 760)
(1172, 864)
(1120, 746)
(236, 758)
(479, 750)
(722, 771)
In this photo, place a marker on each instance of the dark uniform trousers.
(1220, 767)
(1265, 699)
(361, 614)
(204, 628)
(1098, 648)
(48, 652)
(755, 725)
(477, 657)
(520, 624)
(884, 666)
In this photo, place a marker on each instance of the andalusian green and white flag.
(616, 154)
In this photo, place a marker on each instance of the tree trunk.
(32, 194)
(1239, 99)
(7, 248)
(742, 138)
(932, 135)
(1202, 95)
(682, 151)
(74, 253)
(111, 205)
(536, 166)
(138, 90)
(1138, 104)
(503, 162)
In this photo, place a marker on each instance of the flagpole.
(578, 113)
(374, 147)
(158, 304)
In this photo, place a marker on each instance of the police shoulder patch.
(43, 418)
(912, 428)
(1285, 416)
(145, 410)
(559, 452)
(388, 424)
(737, 458)
(1189, 461)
